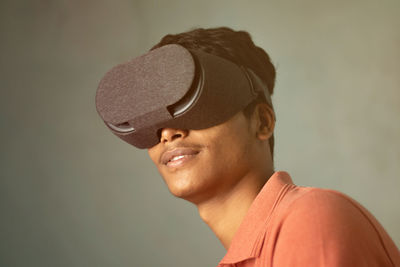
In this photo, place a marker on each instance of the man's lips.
(177, 154)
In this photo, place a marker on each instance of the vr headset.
(173, 87)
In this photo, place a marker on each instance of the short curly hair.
(236, 46)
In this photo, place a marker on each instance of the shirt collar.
(247, 241)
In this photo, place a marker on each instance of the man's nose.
(170, 134)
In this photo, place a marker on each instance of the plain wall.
(72, 194)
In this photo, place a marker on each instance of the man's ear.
(265, 120)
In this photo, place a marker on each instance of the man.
(218, 154)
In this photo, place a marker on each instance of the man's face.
(199, 164)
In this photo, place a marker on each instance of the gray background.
(71, 194)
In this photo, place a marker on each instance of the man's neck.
(224, 213)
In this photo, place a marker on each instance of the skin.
(231, 165)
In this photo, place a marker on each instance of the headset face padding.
(173, 87)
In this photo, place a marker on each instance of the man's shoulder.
(327, 214)
(320, 201)
(331, 224)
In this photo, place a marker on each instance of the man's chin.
(182, 192)
(193, 195)
(188, 186)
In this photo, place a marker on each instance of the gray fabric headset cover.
(172, 87)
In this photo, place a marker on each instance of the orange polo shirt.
(289, 225)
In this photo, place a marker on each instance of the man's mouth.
(178, 156)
